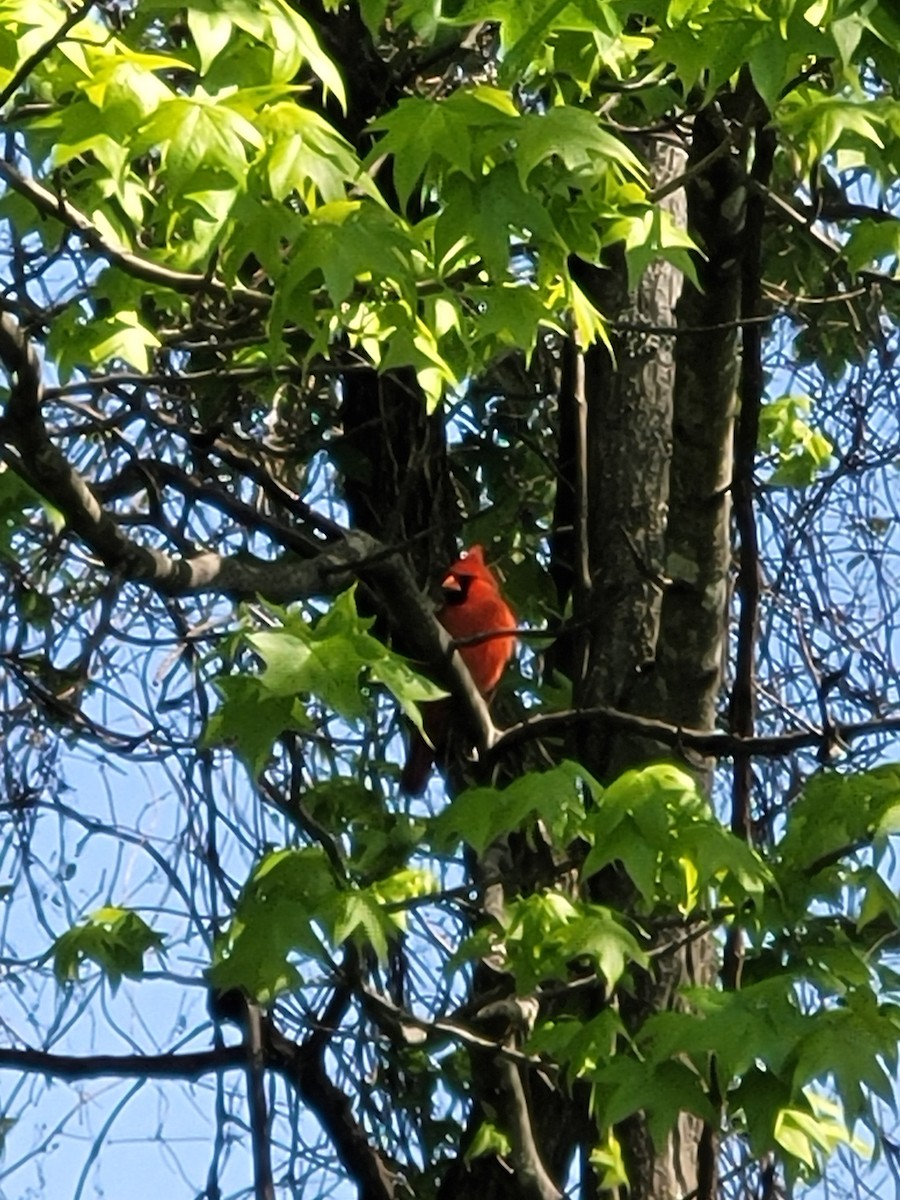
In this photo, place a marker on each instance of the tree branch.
(35, 59)
(260, 1132)
(52, 205)
(390, 1016)
(712, 743)
(146, 1066)
(30, 452)
(137, 476)
(304, 1067)
(28, 449)
(532, 1178)
(742, 708)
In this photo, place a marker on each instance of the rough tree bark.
(659, 438)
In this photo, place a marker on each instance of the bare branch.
(30, 452)
(532, 1178)
(304, 1067)
(712, 743)
(394, 1018)
(260, 1134)
(146, 1066)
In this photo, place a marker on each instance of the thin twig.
(35, 59)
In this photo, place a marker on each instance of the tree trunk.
(659, 448)
(393, 463)
(646, 440)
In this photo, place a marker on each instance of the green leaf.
(657, 825)
(579, 1045)
(802, 451)
(818, 124)
(251, 719)
(294, 906)
(325, 667)
(509, 314)
(483, 217)
(373, 14)
(344, 241)
(488, 1140)
(283, 910)
(17, 499)
(837, 813)
(574, 137)
(359, 910)
(879, 899)
(407, 884)
(851, 1045)
(381, 841)
(547, 936)
(425, 138)
(308, 156)
(413, 344)
(324, 659)
(373, 911)
(194, 132)
(811, 1134)
(664, 1091)
(116, 939)
(340, 803)
(874, 245)
(479, 815)
(758, 1024)
(608, 1162)
(758, 1099)
(333, 658)
(274, 27)
(211, 29)
(719, 858)
(648, 235)
(123, 84)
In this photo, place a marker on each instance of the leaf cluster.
(114, 939)
(333, 657)
(294, 906)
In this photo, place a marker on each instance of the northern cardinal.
(472, 605)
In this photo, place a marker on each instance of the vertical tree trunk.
(659, 447)
(648, 558)
(628, 452)
(393, 462)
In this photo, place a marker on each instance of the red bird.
(472, 605)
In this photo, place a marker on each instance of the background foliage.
(295, 299)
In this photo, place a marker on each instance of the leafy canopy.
(214, 166)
